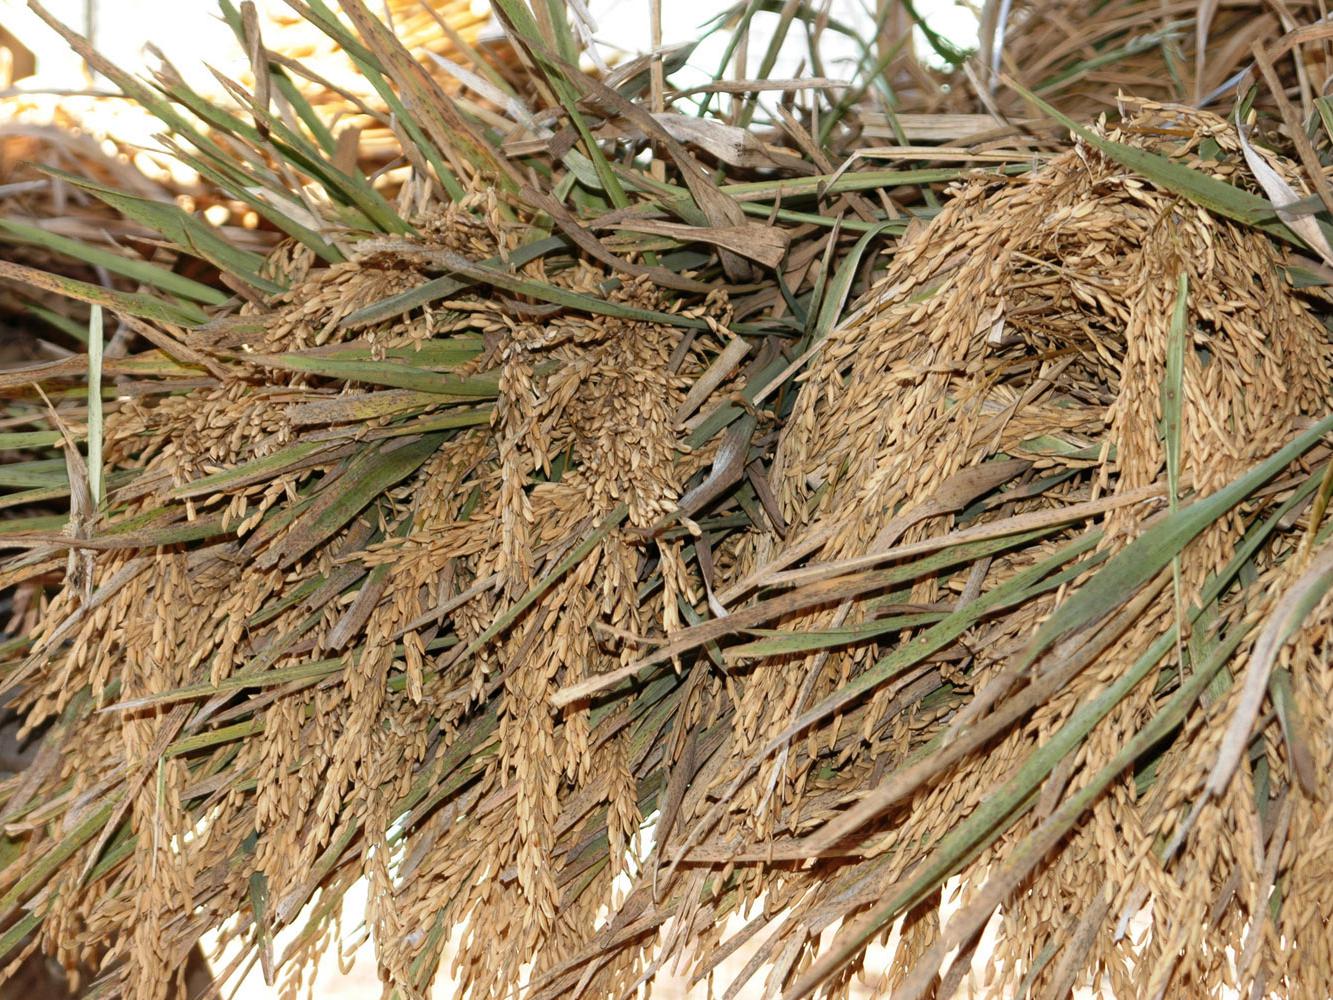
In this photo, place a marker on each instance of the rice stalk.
(960, 520)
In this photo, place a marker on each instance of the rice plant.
(621, 507)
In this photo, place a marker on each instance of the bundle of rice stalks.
(582, 562)
(424, 499)
(994, 610)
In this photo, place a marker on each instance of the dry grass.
(867, 526)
